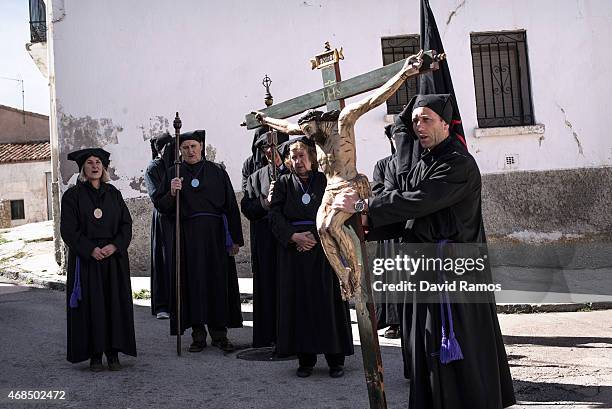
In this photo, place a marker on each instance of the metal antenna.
(22, 94)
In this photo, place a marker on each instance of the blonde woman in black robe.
(97, 229)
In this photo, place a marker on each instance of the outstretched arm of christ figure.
(278, 124)
(411, 67)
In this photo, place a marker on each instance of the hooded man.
(161, 226)
(457, 355)
(255, 206)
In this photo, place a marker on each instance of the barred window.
(17, 210)
(38, 21)
(501, 79)
(396, 49)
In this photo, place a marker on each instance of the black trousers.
(216, 333)
(309, 360)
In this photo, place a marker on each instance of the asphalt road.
(558, 360)
(32, 357)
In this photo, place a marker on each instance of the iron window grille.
(38, 21)
(396, 49)
(17, 210)
(501, 79)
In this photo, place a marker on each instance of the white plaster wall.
(26, 181)
(135, 61)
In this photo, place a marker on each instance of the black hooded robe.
(162, 233)
(263, 257)
(209, 283)
(312, 318)
(104, 318)
(387, 313)
(442, 193)
(256, 160)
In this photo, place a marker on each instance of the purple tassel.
(450, 350)
(76, 296)
(454, 350)
(229, 243)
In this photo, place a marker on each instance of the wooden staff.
(272, 140)
(177, 251)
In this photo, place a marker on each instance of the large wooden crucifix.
(340, 233)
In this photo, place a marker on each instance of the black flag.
(438, 81)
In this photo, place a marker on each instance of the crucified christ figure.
(334, 135)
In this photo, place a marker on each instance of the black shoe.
(224, 345)
(336, 371)
(199, 340)
(197, 346)
(95, 365)
(113, 363)
(304, 371)
(393, 332)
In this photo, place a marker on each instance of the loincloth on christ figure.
(341, 243)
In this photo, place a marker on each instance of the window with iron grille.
(38, 21)
(17, 210)
(501, 79)
(396, 49)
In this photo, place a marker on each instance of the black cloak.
(263, 256)
(104, 317)
(209, 282)
(442, 193)
(312, 318)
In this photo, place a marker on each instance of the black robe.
(162, 233)
(312, 317)
(104, 318)
(386, 313)
(263, 257)
(209, 282)
(442, 193)
(253, 163)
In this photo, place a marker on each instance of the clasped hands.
(104, 252)
(304, 241)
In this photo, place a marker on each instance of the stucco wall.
(207, 60)
(26, 181)
(13, 129)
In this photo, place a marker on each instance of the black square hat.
(197, 135)
(81, 156)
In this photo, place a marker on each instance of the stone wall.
(576, 201)
(571, 202)
(5, 214)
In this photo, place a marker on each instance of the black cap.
(82, 155)
(441, 104)
(283, 148)
(198, 135)
(162, 140)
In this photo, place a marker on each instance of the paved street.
(559, 360)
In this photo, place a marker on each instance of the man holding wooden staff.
(210, 231)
